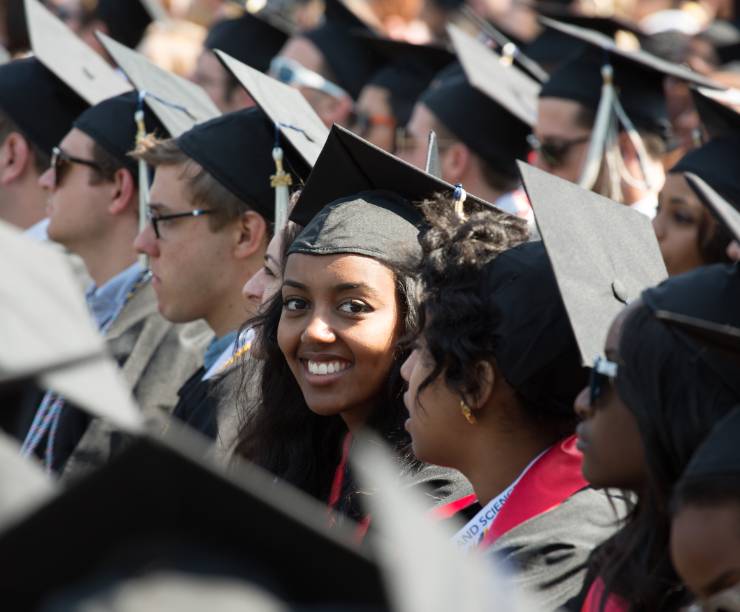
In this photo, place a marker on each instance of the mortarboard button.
(620, 292)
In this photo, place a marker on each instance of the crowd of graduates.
(422, 305)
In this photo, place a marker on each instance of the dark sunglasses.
(554, 152)
(61, 160)
(602, 373)
(156, 219)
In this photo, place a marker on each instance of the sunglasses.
(724, 601)
(554, 152)
(291, 73)
(60, 160)
(602, 374)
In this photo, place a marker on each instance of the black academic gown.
(201, 402)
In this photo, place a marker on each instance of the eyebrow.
(155, 206)
(341, 287)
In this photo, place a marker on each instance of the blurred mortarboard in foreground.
(710, 293)
(718, 118)
(727, 212)
(349, 165)
(112, 125)
(719, 454)
(159, 505)
(236, 149)
(70, 59)
(49, 334)
(286, 107)
(37, 102)
(249, 38)
(603, 253)
(723, 337)
(178, 103)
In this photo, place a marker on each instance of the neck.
(229, 313)
(496, 458)
(107, 257)
(23, 206)
(475, 185)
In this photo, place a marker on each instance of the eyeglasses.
(61, 159)
(156, 220)
(291, 73)
(602, 373)
(363, 122)
(554, 152)
(724, 601)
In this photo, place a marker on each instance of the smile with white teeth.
(326, 367)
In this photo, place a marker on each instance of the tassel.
(458, 199)
(432, 165)
(638, 144)
(280, 181)
(600, 134)
(143, 172)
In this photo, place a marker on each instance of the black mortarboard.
(158, 506)
(718, 119)
(250, 39)
(349, 165)
(236, 149)
(286, 107)
(727, 212)
(37, 102)
(723, 337)
(70, 59)
(603, 253)
(711, 293)
(178, 103)
(126, 20)
(112, 125)
(491, 109)
(717, 162)
(719, 454)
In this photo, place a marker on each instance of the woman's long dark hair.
(676, 399)
(280, 433)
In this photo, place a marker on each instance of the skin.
(491, 452)
(22, 200)
(96, 221)
(676, 225)
(374, 102)
(556, 121)
(210, 74)
(198, 273)
(608, 436)
(266, 282)
(339, 309)
(705, 547)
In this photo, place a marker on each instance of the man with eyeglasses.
(92, 192)
(211, 212)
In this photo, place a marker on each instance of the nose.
(46, 180)
(318, 330)
(254, 288)
(408, 366)
(582, 405)
(146, 242)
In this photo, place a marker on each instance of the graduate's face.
(435, 423)
(413, 148)
(266, 282)
(373, 117)
(705, 547)
(678, 224)
(608, 435)
(564, 140)
(338, 331)
(211, 75)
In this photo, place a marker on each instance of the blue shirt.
(216, 348)
(106, 302)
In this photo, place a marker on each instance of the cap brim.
(178, 103)
(714, 335)
(727, 213)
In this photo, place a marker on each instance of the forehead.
(77, 143)
(323, 271)
(422, 120)
(676, 186)
(552, 112)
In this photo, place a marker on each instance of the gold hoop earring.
(467, 413)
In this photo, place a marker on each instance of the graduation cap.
(37, 102)
(723, 337)
(159, 505)
(236, 149)
(70, 59)
(286, 107)
(127, 20)
(490, 108)
(727, 212)
(112, 125)
(49, 335)
(718, 118)
(249, 38)
(603, 253)
(718, 455)
(178, 103)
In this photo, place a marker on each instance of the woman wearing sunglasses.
(491, 384)
(649, 406)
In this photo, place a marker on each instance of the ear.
(252, 235)
(454, 162)
(124, 193)
(15, 158)
(486, 375)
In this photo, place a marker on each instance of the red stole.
(592, 603)
(336, 489)
(547, 484)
